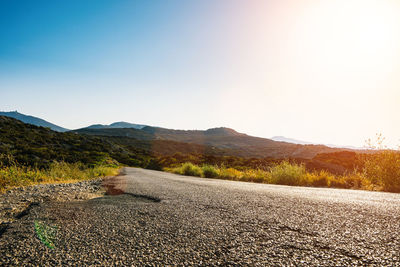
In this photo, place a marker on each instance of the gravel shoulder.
(16, 202)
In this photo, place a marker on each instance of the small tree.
(383, 166)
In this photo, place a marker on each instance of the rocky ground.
(16, 202)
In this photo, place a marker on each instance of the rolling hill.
(39, 146)
(226, 140)
(215, 141)
(153, 147)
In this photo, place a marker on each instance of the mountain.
(296, 141)
(33, 120)
(224, 139)
(291, 140)
(116, 125)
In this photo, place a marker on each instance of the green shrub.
(191, 170)
(209, 171)
(286, 173)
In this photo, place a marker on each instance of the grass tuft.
(45, 233)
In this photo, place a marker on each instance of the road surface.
(156, 219)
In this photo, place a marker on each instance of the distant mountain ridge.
(116, 125)
(33, 120)
(291, 140)
(300, 142)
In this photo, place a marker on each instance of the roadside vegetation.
(13, 174)
(39, 147)
(379, 171)
(283, 173)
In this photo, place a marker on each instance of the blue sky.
(314, 70)
(78, 62)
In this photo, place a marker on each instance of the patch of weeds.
(46, 233)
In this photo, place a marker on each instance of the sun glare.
(353, 45)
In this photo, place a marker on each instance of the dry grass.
(58, 172)
(284, 173)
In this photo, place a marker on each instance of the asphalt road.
(165, 219)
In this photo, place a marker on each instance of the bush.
(318, 179)
(209, 171)
(153, 164)
(257, 176)
(383, 168)
(191, 170)
(230, 173)
(357, 181)
(286, 173)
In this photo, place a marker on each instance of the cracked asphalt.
(158, 219)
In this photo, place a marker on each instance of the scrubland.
(379, 171)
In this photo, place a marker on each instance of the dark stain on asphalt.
(144, 197)
(111, 190)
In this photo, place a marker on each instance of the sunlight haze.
(315, 70)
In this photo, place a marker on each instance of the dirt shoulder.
(14, 203)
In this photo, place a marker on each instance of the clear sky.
(317, 70)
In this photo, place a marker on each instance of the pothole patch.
(144, 197)
(113, 190)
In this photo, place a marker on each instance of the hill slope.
(33, 145)
(39, 146)
(33, 120)
(225, 139)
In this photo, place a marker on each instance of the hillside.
(227, 140)
(39, 146)
(33, 120)
(215, 141)
(33, 145)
